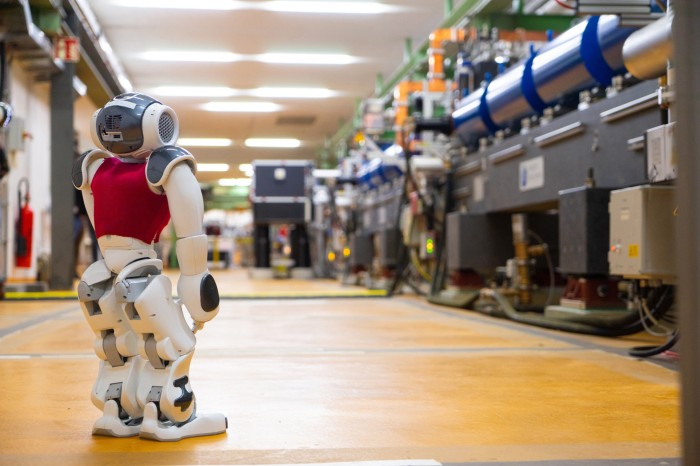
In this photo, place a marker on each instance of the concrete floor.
(333, 380)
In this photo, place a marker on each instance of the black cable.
(402, 252)
(439, 276)
(649, 351)
(627, 325)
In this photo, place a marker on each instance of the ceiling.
(377, 43)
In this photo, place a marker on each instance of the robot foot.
(112, 426)
(199, 425)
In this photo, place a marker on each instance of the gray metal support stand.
(687, 63)
(62, 191)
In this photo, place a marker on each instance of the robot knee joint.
(90, 295)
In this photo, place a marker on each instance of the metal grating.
(166, 127)
(113, 122)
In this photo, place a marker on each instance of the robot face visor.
(120, 128)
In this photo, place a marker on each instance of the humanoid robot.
(132, 186)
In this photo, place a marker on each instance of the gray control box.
(642, 233)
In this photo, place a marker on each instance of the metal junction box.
(388, 247)
(478, 241)
(361, 250)
(642, 233)
(661, 153)
(584, 231)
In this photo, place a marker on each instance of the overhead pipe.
(436, 56)
(589, 53)
(401, 94)
(646, 52)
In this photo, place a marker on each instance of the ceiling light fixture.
(246, 168)
(293, 92)
(287, 6)
(228, 57)
(235, 182)
(307, 58)
(195, 91)
(204, 142)
(221, 91)
(212, 167)
(261, 107)
(190, 56)
(272, 142)
(318, 6)
(182, 4)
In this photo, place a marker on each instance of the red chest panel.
(124, 205)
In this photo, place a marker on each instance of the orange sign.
(67, 48)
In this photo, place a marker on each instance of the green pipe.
(555, 23)
(448, 7)
(467, 9)
(378, 82)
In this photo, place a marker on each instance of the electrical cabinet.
(584, 230)
(281, 191)
(642, 233)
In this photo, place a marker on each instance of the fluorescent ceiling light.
(124, 81)
(221, 91)
(293, 92)
(307, 58)
(272, 142)
(182, 4)
(190, 56)
(212, 167)
(195, 91)
(241, 107)
(319, 6)
(247, 169)
(204, 142)
(235, 182)
(79, 86)
(289, 6)
(228, 57)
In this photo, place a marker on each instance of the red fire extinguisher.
(24, 227)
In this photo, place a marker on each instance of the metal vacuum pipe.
(646, 52)
(588, 53)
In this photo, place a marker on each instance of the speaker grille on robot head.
(113, 122)
(166, 127)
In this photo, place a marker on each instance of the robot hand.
(200, 296)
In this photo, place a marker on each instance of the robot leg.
(114, 391)
(167, 343)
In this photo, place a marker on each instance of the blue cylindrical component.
(376, 172)
(588, 53)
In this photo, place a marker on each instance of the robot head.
(133, 125)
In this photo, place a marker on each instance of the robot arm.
(84, 170)
(171, 169)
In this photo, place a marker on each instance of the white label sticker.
(531, 174)
(382, 215)
(478, 188)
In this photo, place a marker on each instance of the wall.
(31, 104)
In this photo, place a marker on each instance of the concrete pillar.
(687, 64)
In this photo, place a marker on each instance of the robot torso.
(124, 203)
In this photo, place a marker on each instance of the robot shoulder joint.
(162, 161)
(80, 167)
